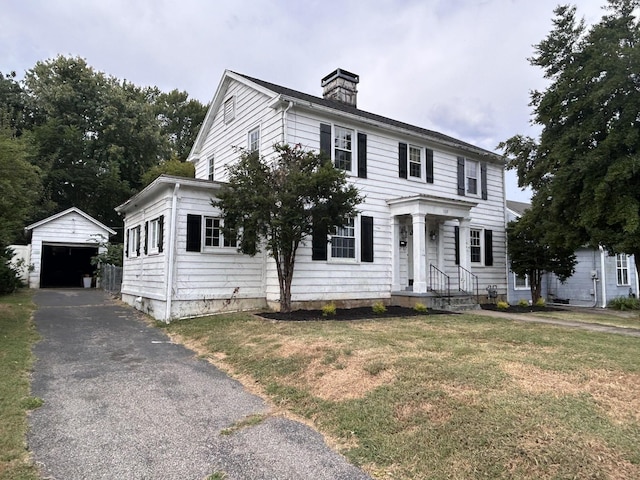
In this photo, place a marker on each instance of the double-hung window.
(133, 244)
(254, 140)
(476, 245)
(343, 241)
(213, 234)
(471, 177)
(154, 235)
(622, 268)
(415, 162)
(211, 168)
(343, 148)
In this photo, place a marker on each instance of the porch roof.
(431, 205)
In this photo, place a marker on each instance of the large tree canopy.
(277, 201)
(585, 166)
(94, 137)
(533, 253)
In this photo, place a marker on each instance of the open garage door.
(64, 266)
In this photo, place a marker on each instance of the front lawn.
(444, 396)
(17, 335)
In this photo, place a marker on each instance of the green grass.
(626, 319)
(459, 396)
(17, 334)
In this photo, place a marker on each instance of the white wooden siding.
(69, 229)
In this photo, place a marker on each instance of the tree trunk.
(535, 285)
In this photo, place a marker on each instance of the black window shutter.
(402, 160)
(160, 233)
(319, 241)
(366, 239)
(460, 175)
(126, 242)
(325, 140)
(456, 242)
(194, 233)
(362, 155)
(483, 180)
(146, 237)
(138, 244)
(429, 165)
(488, 248)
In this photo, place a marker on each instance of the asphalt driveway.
(123, 402)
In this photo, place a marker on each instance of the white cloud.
(455, 66)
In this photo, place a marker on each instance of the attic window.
(230, 109)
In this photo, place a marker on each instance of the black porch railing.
(468, 282)
(439, 282)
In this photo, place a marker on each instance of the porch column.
(419, 254)
(465, 248)
(440, 242)
(395, 254)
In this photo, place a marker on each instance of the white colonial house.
(431, 228)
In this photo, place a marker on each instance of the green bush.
(502, 305)
(329, 309)
(378, 308)
(541, 302)
(9, 276)
(420, 307)
(624, 303)
(523, 303)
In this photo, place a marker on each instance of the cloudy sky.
(455, 66)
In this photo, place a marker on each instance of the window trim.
(420, 162)
(352, 151)
(249, 142)
(353, 223)
(133, 242)
(480, 246)
(467, 177)
(212, 168)
(527, 284)
(622, 266)
(223, 242)
(154, 236)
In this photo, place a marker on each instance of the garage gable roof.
(67, 212)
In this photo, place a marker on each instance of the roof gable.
(274, 91)
(518, 208)
(68, 212)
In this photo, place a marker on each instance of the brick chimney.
(340, 85)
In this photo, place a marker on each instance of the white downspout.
(603, 277)
(284, 121)
(171, 252)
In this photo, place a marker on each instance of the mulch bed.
(521, 309)
(359, 313)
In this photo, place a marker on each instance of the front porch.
(431, 261)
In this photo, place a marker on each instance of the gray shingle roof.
(342, 107)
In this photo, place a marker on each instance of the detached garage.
(61, 249)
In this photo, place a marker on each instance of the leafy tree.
(277, 201)
(533, 253)
(180, 119)
(171, 167)
(96, 136)
(20, 186)
(585, 166)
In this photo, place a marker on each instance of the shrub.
(329, 309)
(9, 276)
(378, 308)
(420, 307)
(624, 303)
(502, 305)
(523, 303)
(541, 302)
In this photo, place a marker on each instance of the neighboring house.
(61, 249)
(598, 278)
(431, 226)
